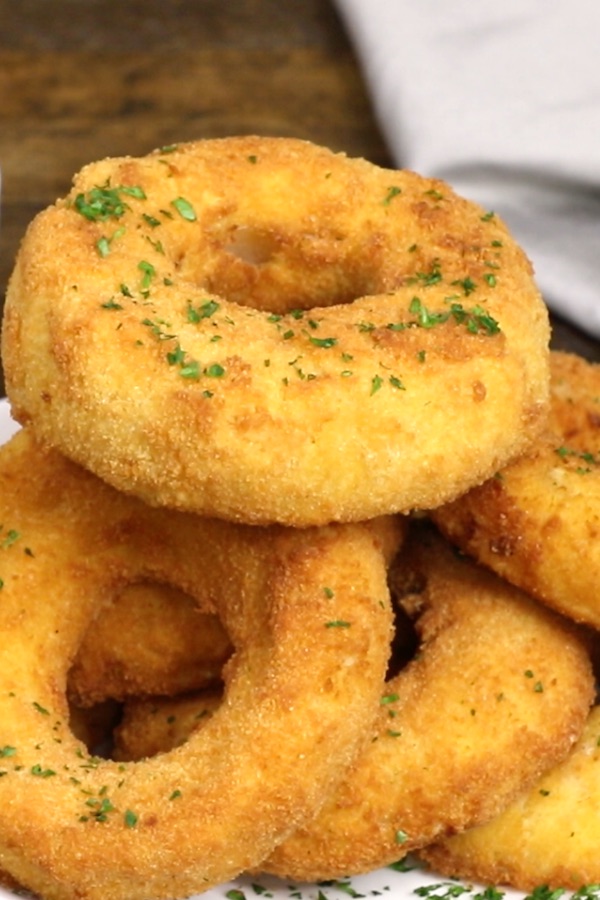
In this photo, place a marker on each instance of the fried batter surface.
(548, 836)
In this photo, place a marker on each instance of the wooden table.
(82, 79)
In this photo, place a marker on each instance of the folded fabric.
(502, 100)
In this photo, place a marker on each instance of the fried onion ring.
(461, 729)
(150, 640)
(537, 523)
(309, 616)
(497, 694)
(548, 836)
(215, 327)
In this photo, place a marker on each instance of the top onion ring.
(262, 330)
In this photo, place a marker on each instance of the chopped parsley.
(148, 272)
(130, 818)
(323, 342)
(376, 383)
(184, 208)
(216, 370)
(433, 276)
(39, 772)
(476, 320)
(102, 203)
(10, 538)
(392, 192)
(389, 698)
(196, 314)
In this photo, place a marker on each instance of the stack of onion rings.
(308, 614)
(260, 352)
(215, 326)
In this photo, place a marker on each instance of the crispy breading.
(548, 836)
(157, 724)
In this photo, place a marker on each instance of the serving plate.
(409, 882)
(406, 880)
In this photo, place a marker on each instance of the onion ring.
(150, 640)
(537, 523)
(548, 836)
(214, 327)
(498, 692)
(472, 733)
(308, 614)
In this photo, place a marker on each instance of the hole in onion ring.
(94, 726)
(149, 641)
(252, 245)
(405, 642)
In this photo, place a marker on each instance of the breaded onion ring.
(537, 523)
(548, 836)
(308, 614)
(150, 640)
(262, 330)
(497, 694)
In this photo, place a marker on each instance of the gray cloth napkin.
(502, 100)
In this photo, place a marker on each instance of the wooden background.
(83, 79)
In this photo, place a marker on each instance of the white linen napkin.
(502, 100)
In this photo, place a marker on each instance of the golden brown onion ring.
(308, 614)
(548, 836)
(498, 691)
(151, 639)
(537, 523)
(263, 330)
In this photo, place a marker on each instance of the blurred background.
(83, 79)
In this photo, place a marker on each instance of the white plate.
(385, 883)
(8, 426)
